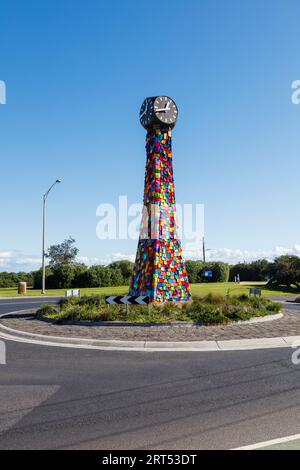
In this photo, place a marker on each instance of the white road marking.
(280, 440)
(22, 400)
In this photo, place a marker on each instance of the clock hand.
(166, 108)
(146, 109)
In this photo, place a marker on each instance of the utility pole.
(203, 249)
(43, 238)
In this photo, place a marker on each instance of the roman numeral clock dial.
(146, 112)
(158, 111)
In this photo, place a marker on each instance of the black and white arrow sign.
(127, 299)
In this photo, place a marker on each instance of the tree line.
(64, 272)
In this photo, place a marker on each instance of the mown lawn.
(223, 288)
(197, 289)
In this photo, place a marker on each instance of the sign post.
(255, 291)
(72, 293)
(207, 273)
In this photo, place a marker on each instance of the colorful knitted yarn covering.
(159, 270)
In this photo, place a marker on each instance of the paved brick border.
(287, 325)
(149, 345)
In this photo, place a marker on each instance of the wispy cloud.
(231, 255)
(15, 261)
(228, 255)
(6, 254)
(106, 260)
(11, 260)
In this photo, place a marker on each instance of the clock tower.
(159, 270)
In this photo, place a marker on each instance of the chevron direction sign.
(127, 299)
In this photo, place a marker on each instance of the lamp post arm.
(46, 194)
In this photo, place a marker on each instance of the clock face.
(146, 112)
(165, 110)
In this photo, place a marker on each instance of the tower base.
(160, 272)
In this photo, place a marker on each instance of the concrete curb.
(146, 346)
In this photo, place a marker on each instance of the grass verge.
(221, 288)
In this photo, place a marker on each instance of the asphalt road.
(60, 398)
(12, 305)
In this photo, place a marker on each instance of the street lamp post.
(205, 250)
(44, 230)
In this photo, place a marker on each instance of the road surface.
(60, 398)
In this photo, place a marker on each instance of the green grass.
(223, 288)
(197, 289)
(12, 292)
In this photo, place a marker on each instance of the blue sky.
(76, 74)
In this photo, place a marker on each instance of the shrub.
(8, 279)
(93, 300)
(220, 272)
(64, 275)
(88, 300)
(274, 307)
(286, 271)
(209, 310)
(50, 279)
(259, 270)
(125, 267)
(194, 270)
(213, 299)
(243, 297)
(236, 312)
(46, 310)
(206, 314)
(80, 275)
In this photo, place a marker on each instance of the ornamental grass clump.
(206, 314)
(209, 310)
(46, 310)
